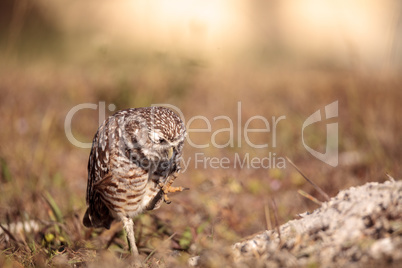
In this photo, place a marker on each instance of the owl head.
(155, 137)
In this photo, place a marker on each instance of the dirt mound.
(360, 226)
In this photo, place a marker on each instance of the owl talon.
(172, 189)
(167, 188)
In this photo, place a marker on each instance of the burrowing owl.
(134, 159)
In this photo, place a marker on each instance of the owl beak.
(170, 152)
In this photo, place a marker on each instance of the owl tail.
(93, 218)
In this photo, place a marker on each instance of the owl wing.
(98, 163)
(97, 214)
(109, 142)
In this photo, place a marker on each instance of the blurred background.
(277, 58)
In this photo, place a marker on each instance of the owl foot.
(168, 188)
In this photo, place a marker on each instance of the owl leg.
(128, 225)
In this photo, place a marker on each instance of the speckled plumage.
(134, 155)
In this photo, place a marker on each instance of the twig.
(267, 217)
(276, 219)
(390, 177)
(10, 235)
(307, 179)
(310, 197)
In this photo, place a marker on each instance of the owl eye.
(162, 140)
(155, 138)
